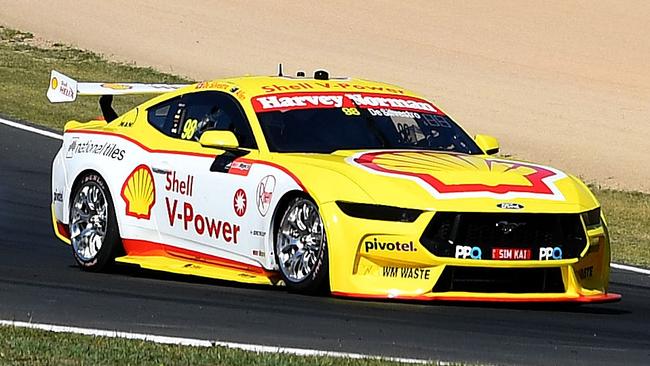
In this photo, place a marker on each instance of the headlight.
(591, 218)
(378, 212)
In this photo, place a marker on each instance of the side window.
(166, 116)
(213, 110)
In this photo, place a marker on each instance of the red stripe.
(92, 132)
(602, 298)
(136, 247)
(536, 179)
(63, 229)
(285, 170)
(293, 176)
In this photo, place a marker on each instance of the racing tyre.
(301, 248)
(94, 236)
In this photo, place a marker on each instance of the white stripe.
(57, 136)
(31, 129)
(631, 268)
(205, 343)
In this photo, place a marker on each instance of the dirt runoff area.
(562, 82)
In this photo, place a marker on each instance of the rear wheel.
(94, 236)
(301, 248)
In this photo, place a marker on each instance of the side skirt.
(161, 257)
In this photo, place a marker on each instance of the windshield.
(326, 122)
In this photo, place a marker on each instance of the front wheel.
(94, 235)
(301, 248)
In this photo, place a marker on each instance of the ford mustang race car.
(341, 185)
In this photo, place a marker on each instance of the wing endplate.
(64, 89)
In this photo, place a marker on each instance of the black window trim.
(154, 107)
(179, 99)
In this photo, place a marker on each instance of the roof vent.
(300, 74)
(321, 75)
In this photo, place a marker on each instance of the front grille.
(488, 231)
(507, 280)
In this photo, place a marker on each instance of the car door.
(202, 206)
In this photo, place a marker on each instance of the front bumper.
(498, 298)
(61, 230)
(376, 259)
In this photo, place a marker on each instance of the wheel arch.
(76, 181)
(112, 245)
(280, 208)
(78, 178)
(322, 284)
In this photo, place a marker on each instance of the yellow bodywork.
(355, 271)
(187, 267)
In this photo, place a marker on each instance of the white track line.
(21, 126)
(205, 343)
(630, 268)
(31, 129)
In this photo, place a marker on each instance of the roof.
(261, 85)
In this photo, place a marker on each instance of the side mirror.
(487, 143)
(219, 139)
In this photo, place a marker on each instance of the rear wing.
(63, 88)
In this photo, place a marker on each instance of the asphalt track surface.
(39, 282)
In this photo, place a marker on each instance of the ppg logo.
(466, 251)
(546, 253)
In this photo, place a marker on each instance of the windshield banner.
(294, 101)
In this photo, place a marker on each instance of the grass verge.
(628, 217)
(25, 66)
(21, 346)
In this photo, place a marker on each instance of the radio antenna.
(280, 69)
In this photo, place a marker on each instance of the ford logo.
(510, 206)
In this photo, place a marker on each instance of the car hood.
(442, 181)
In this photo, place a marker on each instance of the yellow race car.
(360, 188)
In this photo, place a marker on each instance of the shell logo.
(55, 83)
(139, 192)
(448, 175)
(116, 86)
